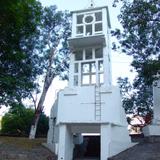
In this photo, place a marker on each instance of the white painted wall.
(154, 128)
(114, 139)
(112, 110)
(156, 102)
(76, 103)
(65, 151)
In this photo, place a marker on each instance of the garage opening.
(89, 149)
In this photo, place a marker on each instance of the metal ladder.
(97, 103)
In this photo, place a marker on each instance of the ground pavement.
(12, 148)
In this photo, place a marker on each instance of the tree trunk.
(34, 127)
(39, 109)
(47, 82)
(37, 115)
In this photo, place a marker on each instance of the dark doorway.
(90, 148)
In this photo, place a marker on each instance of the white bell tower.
(90, 45)
(90, 104)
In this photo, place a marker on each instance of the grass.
(22, 142)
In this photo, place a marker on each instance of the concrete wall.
(65, 151)
(53, 132)
(112, 110)
(78, 106)
(156, 101)
(75, 105)
(114, 139)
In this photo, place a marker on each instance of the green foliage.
(140, 38)
(136, 101)
(55, 30)
(42, 128)
(18, 120)
(18, 59)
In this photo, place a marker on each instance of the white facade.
(154, 128)
(90, 104)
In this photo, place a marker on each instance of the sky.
(120, 62)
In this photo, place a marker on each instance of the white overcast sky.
(120, 62)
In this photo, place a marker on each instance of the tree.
(55, 30)
(18, 60)
(137, 102)
(140, 38)
(18, 120)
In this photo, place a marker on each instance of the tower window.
(89, 24)
(88, 30)
(100, 66)
(76, 80)
(88, 19)
(88, 73)
(85, 79)
(76, 68)
(98, 16)
(101, 78)
(88, 66)
(88, 53)
(80, 30)
(98, 27)
(99, 53)
(79, 55)
(79, 19)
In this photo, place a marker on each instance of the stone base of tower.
(114, 139)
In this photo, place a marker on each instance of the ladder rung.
(97, 103)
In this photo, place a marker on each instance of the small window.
(76, 68)
(98, 16)
(93, 67)
(85, 68)
(88, 19)
(98, 27)
(79, 55)
(80, 30)
(88, 53)
(93, 79)
(100, 66)
(88, 30)
(98, 53)
(101, 78)
(85, 79)
(76, 80)
(79, 19)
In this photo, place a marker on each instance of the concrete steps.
(147, 149)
